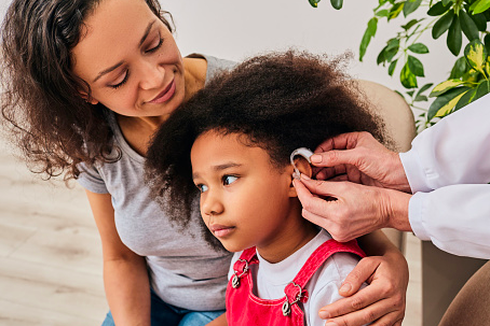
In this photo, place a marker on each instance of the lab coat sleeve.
(456, 150)
(455, 218)
(448, 169)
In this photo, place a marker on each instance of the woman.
(88, 84)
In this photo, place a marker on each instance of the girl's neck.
(293, 235)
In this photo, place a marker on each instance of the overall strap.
(241, 266)
(315, 261)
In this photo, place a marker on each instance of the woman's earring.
(302, 151)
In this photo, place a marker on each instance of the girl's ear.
(304, 167)
(88, 99)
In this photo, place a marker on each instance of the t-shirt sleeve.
(327, 285)
(91, 179)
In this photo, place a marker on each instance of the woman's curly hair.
(279, 101)
(42, 108)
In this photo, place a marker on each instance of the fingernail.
(305, 177)
(345, 288)
(323, 314)
(330, 323)
(316, 158)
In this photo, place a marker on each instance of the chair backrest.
(395, 111)
(400, 125)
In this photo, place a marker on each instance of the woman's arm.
(126, 280)
(383, 300)
(220, 321)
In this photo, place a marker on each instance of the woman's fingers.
(382, 302)
(360, 274)
(374, 314)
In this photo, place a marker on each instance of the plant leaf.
(420, 98)
(410, 24)
(442, 24)
(337, 4)
(314, 3)
(368, 34)
(382, 13)
(476, 55)
(445, 103)
(410, 6)
(416, 66)
(459, 69)
(445, 86)
(424, 88)
(395, 11)
(454, 37)
(468, 26)
(446, 2)
(486, 40)
(407, 78)
(438, 9)
(480, 21)
(418, 48)
(391, 68)
(482, 89)
(465, 99)
(480, 6)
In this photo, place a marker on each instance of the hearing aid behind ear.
(302, 151)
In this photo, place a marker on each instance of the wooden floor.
(50, 255)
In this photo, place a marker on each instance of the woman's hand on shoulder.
(382, 302)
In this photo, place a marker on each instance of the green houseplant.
(463, 23)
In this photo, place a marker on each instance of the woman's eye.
(229, 179)
(155, 47)
(202, 188)
(122, 82)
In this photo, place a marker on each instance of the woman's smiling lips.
(220, 231)
(166, 94)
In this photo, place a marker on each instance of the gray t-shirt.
(184, 270)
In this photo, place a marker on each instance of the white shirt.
(270, 280)
(448, 169)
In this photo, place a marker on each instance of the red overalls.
(244, 308)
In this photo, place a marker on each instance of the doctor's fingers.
(344, 141)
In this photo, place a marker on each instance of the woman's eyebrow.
(114, 67)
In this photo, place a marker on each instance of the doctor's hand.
(359, 158)
(349, 210)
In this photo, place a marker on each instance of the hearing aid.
(302, 151)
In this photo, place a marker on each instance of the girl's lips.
(220, 231)
(166, 94)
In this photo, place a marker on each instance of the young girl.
(232, 143)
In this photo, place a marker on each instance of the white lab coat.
(448, 169)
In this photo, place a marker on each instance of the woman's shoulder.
(207, 65)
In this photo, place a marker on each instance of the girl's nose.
(211, 205)
(152, 75)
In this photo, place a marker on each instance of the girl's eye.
(125, 79)
(202, 188)
(155, 47)
(229, 179)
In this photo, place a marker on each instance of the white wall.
(236, 29)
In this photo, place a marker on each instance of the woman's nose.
(211, 205)
(152, 75)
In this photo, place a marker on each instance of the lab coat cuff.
(416, 208)
(414, 171)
